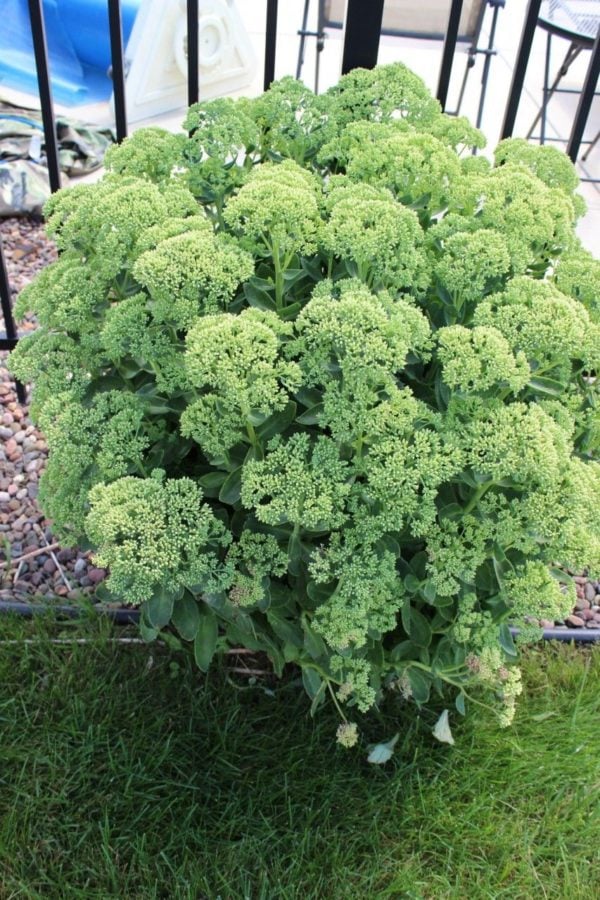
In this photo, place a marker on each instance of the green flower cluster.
(318, 382)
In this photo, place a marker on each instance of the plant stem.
(480, 491)
(278, 279)
(335, 700)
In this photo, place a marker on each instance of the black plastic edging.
(132, 617)
(567, 634)
(28, 610)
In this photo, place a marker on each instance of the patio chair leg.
(590, 148)
(570, 57)
(488, 53)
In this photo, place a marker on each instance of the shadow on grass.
(125, 773)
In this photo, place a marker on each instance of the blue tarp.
(78, 41)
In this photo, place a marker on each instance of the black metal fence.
(361, 45)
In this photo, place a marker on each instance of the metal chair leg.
(488, 53)
(570, 57)
(590, 148)
(303, 35)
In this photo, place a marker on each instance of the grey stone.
(581, 603)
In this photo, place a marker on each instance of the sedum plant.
(317, 382)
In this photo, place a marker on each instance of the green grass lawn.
(125, 774)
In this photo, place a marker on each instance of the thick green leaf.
(258, 297)
(429, 591)
(286, 629)
(277, 422)
(309, 396)
(290, 312)
(420, 629)
(159, 608)
(294, 553)
(412, 583)
(313, 642)
(460, 703)
(205, 642)
(402, 651)
(418, 565)
(420, 683)
(212, 482)
(147, 632)
(451, 511)
(542, 385)
(320, 593)
(506, 640)
(312, 682)
(186, 616)
(318, 699)
(405, 615)
(232, 487)
(311, 416)
(256, 417)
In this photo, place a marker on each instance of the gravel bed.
(32, 563)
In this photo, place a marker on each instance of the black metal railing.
(361, 46)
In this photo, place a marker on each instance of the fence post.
(193, 59)
(448, 51)
(585, 102)
(361, 34)
(516, 88)
(118, 68)
(40, 49)
(270, 43)
(10, 341)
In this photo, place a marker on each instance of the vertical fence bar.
(118, 68)
(448, 51)
(193, 52)
(518, 79)
(361, 34)
(585, 101)
(40, 49)
(270, 43)
(10, 341)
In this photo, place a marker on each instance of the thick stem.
(278, 278)
(251, 433)
(479, 492)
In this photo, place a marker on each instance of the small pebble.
(575, 621)
(96, 575)
(65, 555)
(49, 566)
